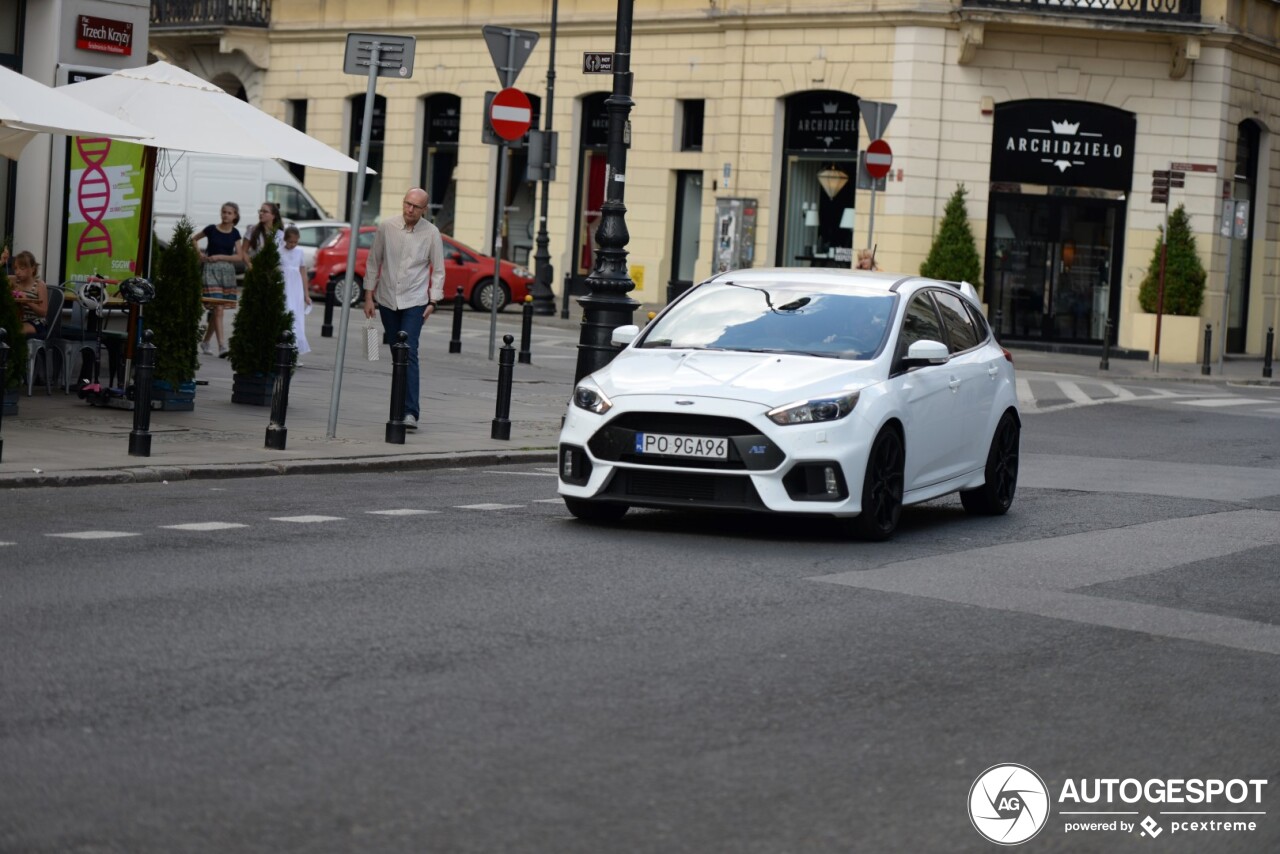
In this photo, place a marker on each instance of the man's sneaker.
(411, 422)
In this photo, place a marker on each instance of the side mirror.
(455, 257)
(624, 335)
(926, 352)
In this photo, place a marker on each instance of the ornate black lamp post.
(606, 305)
(544, 299)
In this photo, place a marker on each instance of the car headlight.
(814, 411)
(587, 396)
(522, 273)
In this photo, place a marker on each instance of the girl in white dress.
(296, 298)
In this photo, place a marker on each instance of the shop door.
(1049, 267)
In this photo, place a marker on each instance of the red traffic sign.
(510, 114)
(879, 158)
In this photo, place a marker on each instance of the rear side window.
(920, 323)
(961, 334)
(365, 240)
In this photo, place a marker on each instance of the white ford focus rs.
(844, 393)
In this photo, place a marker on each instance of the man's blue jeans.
(406, 320)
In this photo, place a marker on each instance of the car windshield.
(790, 317)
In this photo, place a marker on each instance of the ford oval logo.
(684, 403)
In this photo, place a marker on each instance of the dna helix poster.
(105, 184)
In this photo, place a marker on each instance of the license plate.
(667, 445)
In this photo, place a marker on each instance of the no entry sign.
(510, 114)
(879, 158)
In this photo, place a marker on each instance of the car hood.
(770, 379)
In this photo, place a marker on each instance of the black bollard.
(455, 343)
(1208, 348)
(140, 437)
(526, 332)
(506, 367)
(399, 381)
(564, 302)
(4, 365)
(277, 434)
(1266, 357)
(326, 328)
(1105, 364)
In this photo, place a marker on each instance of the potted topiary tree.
(174, 316)
(16, 367)
(1184, 279)
(261, 318)
(953, 256)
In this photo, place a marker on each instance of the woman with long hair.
(221, 251)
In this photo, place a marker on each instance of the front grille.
(677, 422)
(748, 449)
(681, 489)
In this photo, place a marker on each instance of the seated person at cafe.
(30, 293)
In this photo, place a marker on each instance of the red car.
(463, 267)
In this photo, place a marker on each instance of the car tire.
(480, 295)
(357, 283)
(881, 489)
(995, 496)
(595, 511)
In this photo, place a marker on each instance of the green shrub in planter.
(261, 316)
(174, 314)
(953, 256)
(11, 321)
(1184, 275)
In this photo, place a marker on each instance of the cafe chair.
(48, 346)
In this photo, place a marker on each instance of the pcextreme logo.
(1009, 804)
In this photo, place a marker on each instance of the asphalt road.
(446, 661)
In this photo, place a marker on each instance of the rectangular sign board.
(595, 62)
(395, 55)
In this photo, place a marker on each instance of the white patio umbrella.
(187, 113)
(28, 107)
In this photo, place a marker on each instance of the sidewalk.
(62, 440)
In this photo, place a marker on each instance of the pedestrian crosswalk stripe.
(548, 501)
(8, 544)
(205, 526)
(1215, 402)
(1074, 393)
(94, 535)
(487, 506)
(404, 511)
(1271, 411)
(306, 519)
(539, 473)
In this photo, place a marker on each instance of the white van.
(198, 185)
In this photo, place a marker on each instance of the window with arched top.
(1244, 188)
(819, 178)
(442, 123)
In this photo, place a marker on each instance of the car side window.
(960, 332)
(366, 239)
(919, 323)
(979, 322)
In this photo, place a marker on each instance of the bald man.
(404, 281)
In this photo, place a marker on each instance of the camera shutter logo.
(1008, 804)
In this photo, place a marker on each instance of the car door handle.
(993, 371)
(954, 384)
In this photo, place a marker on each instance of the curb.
(219, 471)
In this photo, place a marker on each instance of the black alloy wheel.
(595, 511)
(881, 489)
(995, 496)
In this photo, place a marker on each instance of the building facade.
(749, 118)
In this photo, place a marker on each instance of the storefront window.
(371, 204)
(1060, 174)
(440, 158)
(1244, 188)
(592, 159)
(819, 180)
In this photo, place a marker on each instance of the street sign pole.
(387, 56)
(879, 159)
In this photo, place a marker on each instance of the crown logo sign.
(1065, 127)
(830, 107)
